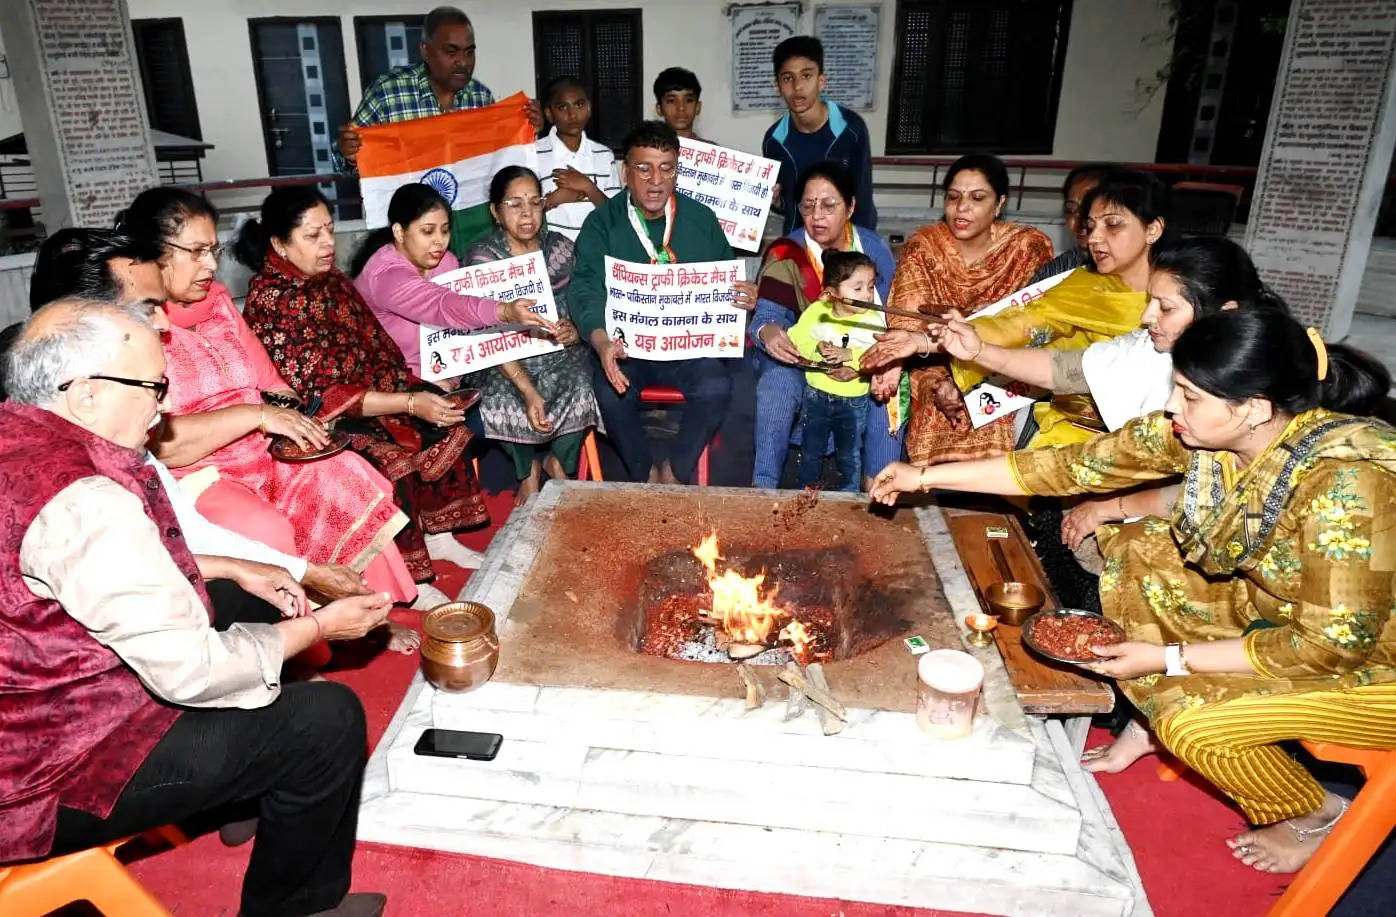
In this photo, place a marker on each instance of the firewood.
(795, 703)
(827, 721)
(745, 650)
(791, 676)
(755, 691)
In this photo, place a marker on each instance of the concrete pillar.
(1327, 148)
(79, 88)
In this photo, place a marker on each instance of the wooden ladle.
(1010, 600)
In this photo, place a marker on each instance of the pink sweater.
(403, 299)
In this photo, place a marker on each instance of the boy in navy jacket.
(814, 129)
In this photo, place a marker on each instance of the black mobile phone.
(450, 743)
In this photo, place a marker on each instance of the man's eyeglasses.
(828, 205)
(159, 387)
(666, 170)
(200, 252)
(523, 203)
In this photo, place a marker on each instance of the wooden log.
(755, 691)
(795, 703)
(745, 650)
(792, 676)
(831, 724)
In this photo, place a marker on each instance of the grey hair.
(87, 339)
(443, 15)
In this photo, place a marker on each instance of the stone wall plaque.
(850, 34)
(756, 30)
(82, 106)
(1327, 150)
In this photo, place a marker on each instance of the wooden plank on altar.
(1043, 687)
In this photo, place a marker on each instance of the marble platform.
(692, 788)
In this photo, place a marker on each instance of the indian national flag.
(456, 153)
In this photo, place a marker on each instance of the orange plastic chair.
(589, 468)
(664, 394)
(1369, 820)
(93, 875)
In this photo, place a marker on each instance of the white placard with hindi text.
(736, 185)
(674, 311)
(451, 352)
(999, 396)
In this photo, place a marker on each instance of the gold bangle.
(262, 420)
(411, 397)
(921, 479)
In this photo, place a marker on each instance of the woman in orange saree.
(968, 260)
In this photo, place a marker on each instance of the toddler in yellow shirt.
(835, 334)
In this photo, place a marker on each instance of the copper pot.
(459, 646)
(1012, 601)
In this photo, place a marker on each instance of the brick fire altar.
(622, 762)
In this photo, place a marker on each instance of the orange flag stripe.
(424, 143)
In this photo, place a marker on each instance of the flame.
(707, 553)
(799, 638)
(747, 611)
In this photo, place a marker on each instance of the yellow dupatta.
(1084, 308)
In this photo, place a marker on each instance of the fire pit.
(622, 594)
(632, 747)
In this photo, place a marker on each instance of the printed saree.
(326, 342)
(932, 277)
(562, 378)
(1295, 554)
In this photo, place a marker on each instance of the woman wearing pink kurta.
(394, 268)
(335, 510)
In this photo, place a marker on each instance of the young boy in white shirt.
(577, 173)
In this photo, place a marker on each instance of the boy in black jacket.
(814, 129)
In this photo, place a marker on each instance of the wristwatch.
(1174, 662)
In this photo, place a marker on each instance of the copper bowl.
(1013, 602)
(459, 648)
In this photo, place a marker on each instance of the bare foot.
(1288, 845)
(527, 488)
(1133, 743)
(654, 475)
(402, 639)
(429, 597)
(553, 468)
(666, 474)
(445, 546)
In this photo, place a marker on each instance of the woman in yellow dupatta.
(1126, 215)
(1266, 610)
(968, 259)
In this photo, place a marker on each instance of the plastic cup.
(947, 691)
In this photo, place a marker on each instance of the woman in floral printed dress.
(1266, 610)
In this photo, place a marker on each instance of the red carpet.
(1176, 830)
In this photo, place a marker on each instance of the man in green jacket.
(649, 223)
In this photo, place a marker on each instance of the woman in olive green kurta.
(1275, 581)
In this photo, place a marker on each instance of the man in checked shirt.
(443, 82)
